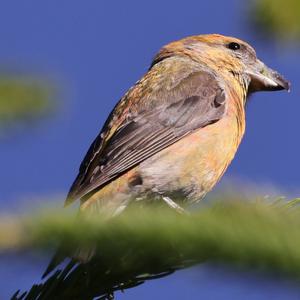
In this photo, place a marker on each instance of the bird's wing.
(194, 102)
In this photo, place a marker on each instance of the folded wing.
(196, 101)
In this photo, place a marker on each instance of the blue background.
(94, 51)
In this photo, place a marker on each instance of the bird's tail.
(56, 260)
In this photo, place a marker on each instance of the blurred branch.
(141, 244)
(23, 99)
(280, 18)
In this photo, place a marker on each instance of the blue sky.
(94, 51)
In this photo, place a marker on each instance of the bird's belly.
(193, 165)
(188, 169)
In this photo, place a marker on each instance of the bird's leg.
(174, 205)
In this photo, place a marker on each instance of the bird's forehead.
(216, 40)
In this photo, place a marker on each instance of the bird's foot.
(174, 205)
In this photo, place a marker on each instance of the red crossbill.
(175, 132)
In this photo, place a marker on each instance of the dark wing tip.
(73, 195)
(74, 191)
(69, 201)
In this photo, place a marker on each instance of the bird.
(174, 133)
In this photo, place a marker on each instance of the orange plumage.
(174, 133)
(177, 129)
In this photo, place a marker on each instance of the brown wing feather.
(195, 102)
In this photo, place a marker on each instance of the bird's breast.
(189, 168)
(193, 165)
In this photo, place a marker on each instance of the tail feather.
(56, 260)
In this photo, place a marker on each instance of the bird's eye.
(234, 46)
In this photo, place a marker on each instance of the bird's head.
(227, 56)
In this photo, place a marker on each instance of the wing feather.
(195, 102)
